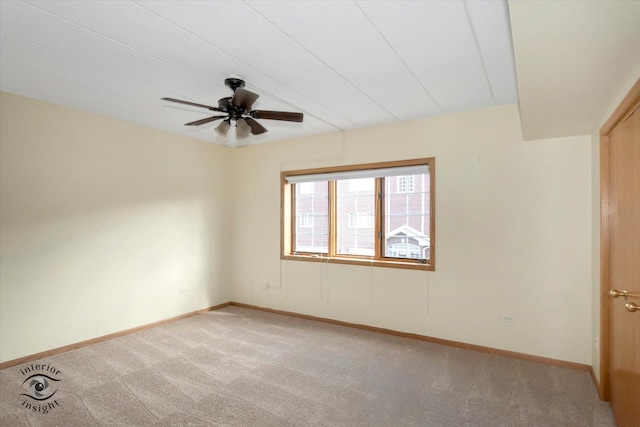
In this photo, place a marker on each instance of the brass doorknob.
(632, 306)
(616, 293)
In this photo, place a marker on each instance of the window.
(306, 188)
(376, 214)
(306, 219)
(403, 250)
(363, 184)
(312, 213)
(361, 219)
(405, 184)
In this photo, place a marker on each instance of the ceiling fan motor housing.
(235, 111)
(223, 104)
(234, 83)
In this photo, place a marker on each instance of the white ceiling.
(343, 64)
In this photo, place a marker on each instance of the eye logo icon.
(40, 387)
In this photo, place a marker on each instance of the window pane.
(306, 187)
(355, 210)
(361, 219)
(407, 217)
(312, 217)
(405, 184)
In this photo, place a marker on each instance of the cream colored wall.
(513, 232)
(102, 223)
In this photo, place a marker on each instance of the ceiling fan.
(238, 109)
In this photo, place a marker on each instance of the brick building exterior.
(406, 219)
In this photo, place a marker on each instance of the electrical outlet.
(264, 285)
(507, 317)
(183, 291)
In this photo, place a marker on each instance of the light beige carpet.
(241, 367)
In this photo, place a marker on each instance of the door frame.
(624, 110)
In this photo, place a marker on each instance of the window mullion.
(333, 219)
(379, 218)
(294, 217)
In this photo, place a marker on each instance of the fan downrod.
(234, 83)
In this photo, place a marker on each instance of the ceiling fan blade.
(243, 98)
(191, 103)
(203, 121)
(256, 128)
(277, 115)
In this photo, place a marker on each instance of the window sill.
(410, 265)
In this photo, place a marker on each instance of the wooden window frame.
(288, 228)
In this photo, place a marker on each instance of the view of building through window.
(355, 206)
(405, 217)
(312, 217)
(405, 184)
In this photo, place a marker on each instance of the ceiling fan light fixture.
(223, 127)
(243, 130)
(239, 108)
